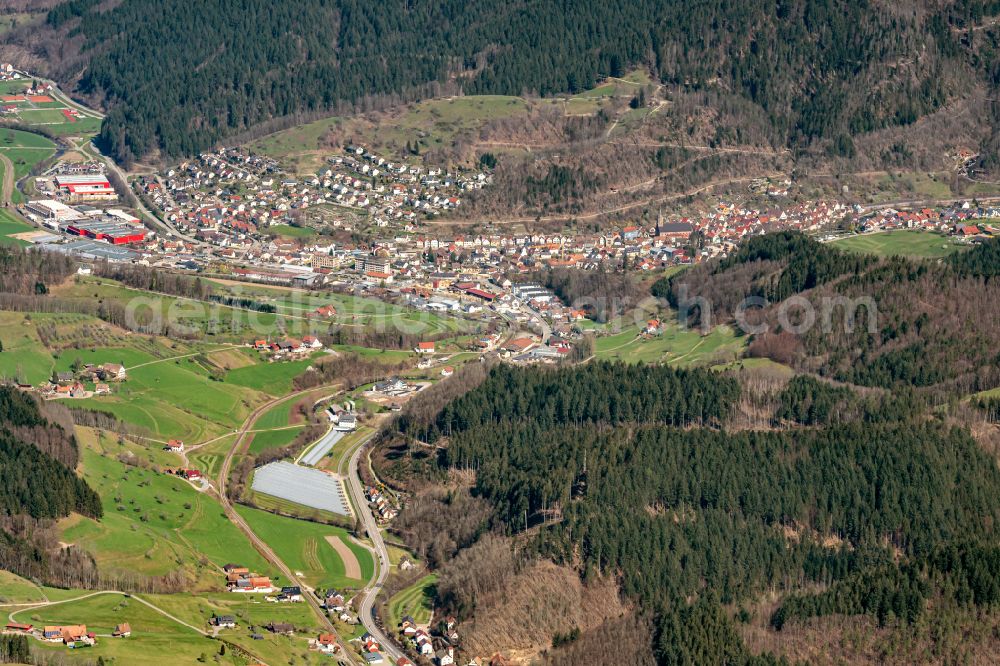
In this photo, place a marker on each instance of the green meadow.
(274, 439)
(156, 523)
(906, 243)
(416, 601)
(674, 346)
(302, 546)
(173, 398)
(153, 634)
(10, 225)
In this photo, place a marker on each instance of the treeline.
(32, 271)
(35, 483)
(886, 323)
(800, 65)
(810, 401)
(39, 485)
(599, 392)
(152, 279)
(243, 303)
(352, 370)
(14, 649)
(961, 571)
(388, 337)
(690, 519)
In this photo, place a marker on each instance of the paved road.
(366, 607)
(238, 520)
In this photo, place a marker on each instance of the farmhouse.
(224, 621)
(122, 630)
(424, 348)
(113, 372)
(69, 635)
(17, 627)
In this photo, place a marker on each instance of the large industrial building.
(89, 187)
(116, 233)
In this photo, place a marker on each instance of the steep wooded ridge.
(846, 506)
(178, 76)
(37, 458)
(933, 323)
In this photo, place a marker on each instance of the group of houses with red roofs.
(73, 636)
(288, 347)
(240, 579)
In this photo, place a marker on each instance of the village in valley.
(224, 451)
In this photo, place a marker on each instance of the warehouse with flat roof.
(116, 233)
(88, 187)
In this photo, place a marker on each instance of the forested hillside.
(870, 510)
(886, 323)
(36, 487)
(177, 76)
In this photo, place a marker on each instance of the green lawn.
(273, 439)
(14, 87)
(303, 547)
(42, 116)
(290, 231)
(276, 417)
(250, 610)
(903, 242)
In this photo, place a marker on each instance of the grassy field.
(250, 611)
(157, 639)
(153, 635)
(172, 398)
(290, 231)
(275, 417)
(10, 225)
(904, 242)
(416, 600)
(156, 523)
(303, 547)
(272, 378)
(273, 439)
(24, 150)
(23, 355)
(17, 590)
(675, 346)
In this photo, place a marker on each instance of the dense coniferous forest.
(886, 323)
(178, 76)
(867, 501)
(36, 486)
